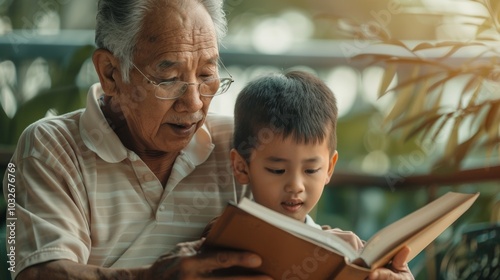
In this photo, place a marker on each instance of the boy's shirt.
(309, 221)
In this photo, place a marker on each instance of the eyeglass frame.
(157, 85)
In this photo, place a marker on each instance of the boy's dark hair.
(296, 104)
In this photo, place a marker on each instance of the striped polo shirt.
(81, 195)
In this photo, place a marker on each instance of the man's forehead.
(179, 28)
(188, 20)
(172, 36)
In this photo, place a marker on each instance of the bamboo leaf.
(395, 42)
(425, 125)
(414, 80)
(435, 108)
(464, 148)
(437, 101)
(419, 61)
(473, 83)
(493, 138)
(445, 119)
(419, 100)
(403, 99)
(415, 118)
(444, 80)
(453, 138)
(423, 46)
(455, 47)
(389, 74)
(472, 102)
(491, 118)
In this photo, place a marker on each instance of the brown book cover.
(293, 250)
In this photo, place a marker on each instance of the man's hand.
(187, 263)
(398, 269)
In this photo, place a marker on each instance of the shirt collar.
(200, 147)
(102, 140)
(309, 221)
(96, 132)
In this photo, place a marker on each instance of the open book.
(293, 250)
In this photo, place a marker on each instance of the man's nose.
(190, 101)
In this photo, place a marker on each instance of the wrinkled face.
(175, 44)
(287, 177)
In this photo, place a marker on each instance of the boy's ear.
(107, 67)
(240, 168)
(331, 166)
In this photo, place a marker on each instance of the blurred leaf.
(63, 96)
(471, 103)
(415, 79)
(417, 105)
(79, 57)
(452, 143)
(67, 72)
(444, 120)
(402, 101)
(455, 47)
(441, 82)
(473, 83)
(462, 149)
(388, 77)
(5, 123)
(423, 46)
(419, 61)
(63, 100)
(425, 125)
(395, 42)
(491, 120)
(424, 89)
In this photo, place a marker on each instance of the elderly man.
(108, 191)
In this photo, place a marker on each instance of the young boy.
(285, 143)
(285, 149)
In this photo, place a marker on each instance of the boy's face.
(285, 176)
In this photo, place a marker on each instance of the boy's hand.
(398, 269)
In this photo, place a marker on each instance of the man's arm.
(66, 269)
(196, 266)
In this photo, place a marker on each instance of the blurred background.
(382, 173)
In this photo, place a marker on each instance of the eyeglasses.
(171, 90)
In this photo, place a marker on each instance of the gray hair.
(119, 22)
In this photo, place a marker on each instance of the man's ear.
(331, 166)
(107, 67)
(240, 168)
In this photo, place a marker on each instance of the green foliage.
(425, 71)
(63, 96)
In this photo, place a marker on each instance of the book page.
(316, 236)
(417, 229)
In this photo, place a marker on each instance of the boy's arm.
(347, 236)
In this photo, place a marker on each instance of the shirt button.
(162, 208)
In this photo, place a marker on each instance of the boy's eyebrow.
(313, 159)
(278, 159)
